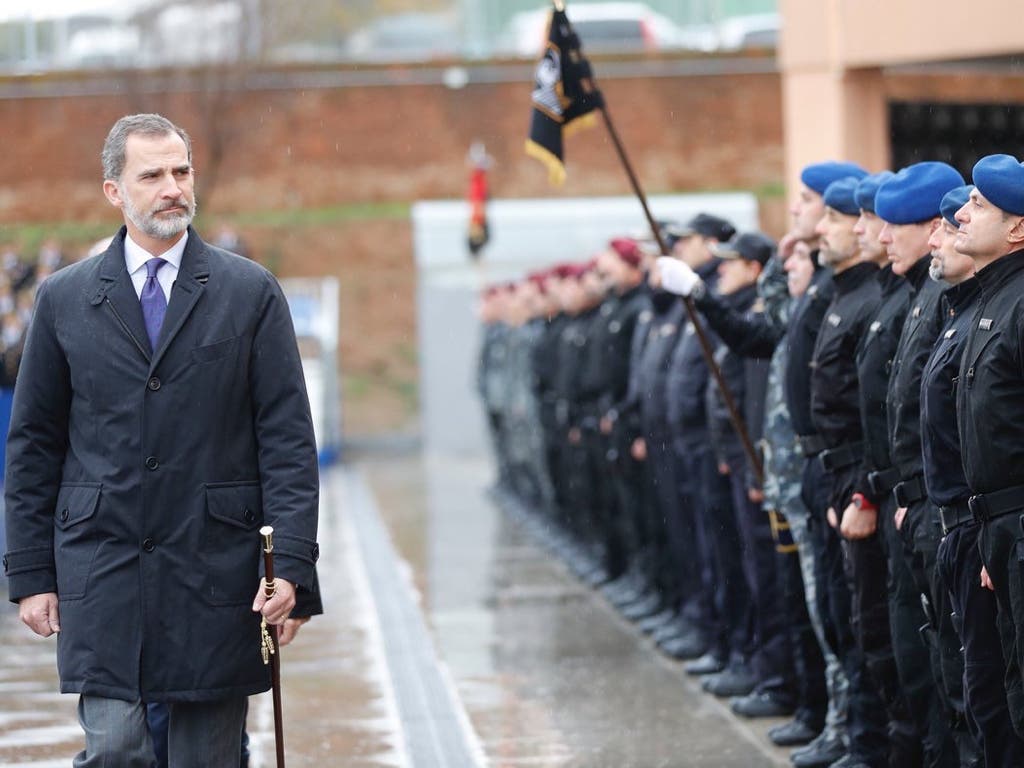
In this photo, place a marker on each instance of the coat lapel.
(115, 286)
(188, 288)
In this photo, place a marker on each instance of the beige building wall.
(832, 54)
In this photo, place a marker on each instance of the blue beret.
(953, 201)
(1000, 178)
(915, 193)
(868, 188)
(841, 195)
(819, 175)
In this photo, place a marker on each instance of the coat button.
(64, 515)
(153, 384)
(148, 545)
(316, 552)
(152, 463)
(248, 516)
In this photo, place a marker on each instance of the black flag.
(559, 97)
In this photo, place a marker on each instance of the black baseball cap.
(704, 224)
(751, 246)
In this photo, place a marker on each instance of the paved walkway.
(452, 639)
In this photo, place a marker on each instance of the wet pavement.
(452, 638)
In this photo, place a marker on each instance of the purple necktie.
(154, 303)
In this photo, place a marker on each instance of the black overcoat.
(137, 481)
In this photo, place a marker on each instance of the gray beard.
(164, 228)
(936, 273)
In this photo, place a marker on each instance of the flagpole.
(691, 309)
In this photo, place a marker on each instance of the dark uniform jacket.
(903, 403)
(749, 334)
(604, 377)
(545, 368)
(625, 412)
(572, 346)
(652, 369)
(746, 378)
(688, 378)
(137, 481)
(990, 393)
(940, 439)
(835, 389)
(805, 321)
(874, 367)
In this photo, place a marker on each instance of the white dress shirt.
(135, 257)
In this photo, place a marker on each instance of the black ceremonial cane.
(269, 646)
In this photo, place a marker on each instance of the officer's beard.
(937, 270)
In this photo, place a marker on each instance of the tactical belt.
(844, 456)
(810, 445)
(909, 491)
(988, 506)
(954, 516)
(883, 481)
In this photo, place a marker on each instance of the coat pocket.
(211, 352)
(231, 542)
(75, 540)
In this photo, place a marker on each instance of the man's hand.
(290, 630)
(639, 449)
(756, 495)
(575, 436)
(858, 523)
(677, 277)
(607, 425)
(899, 517)
(279, 607)
(39, 612)
(986, 582)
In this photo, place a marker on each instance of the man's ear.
(1016, 234)
(112, 193)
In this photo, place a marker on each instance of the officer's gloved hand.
(677, 277)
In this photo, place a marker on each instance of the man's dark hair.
(113, 155)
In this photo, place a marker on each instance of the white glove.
(677, 277)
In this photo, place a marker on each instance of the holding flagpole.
(565, 96)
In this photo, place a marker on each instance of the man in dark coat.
(160, 419)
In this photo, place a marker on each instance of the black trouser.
(772, 654)
(1002, 551)
(627, 530)
(603, 503)
(811, 690)
(674, 522)
(701, 585)
(732, 597)
(913, 656)
(975, 618)
(866, 559)
(866, 718)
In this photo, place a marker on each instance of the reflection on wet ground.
(549, 675)
(545, 672)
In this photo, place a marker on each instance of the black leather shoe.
(795, 733)
(708, 664)
(653, 623)
(675, 628)
(641, 609)
(761, 705)
(735, 680)
(820, 753)
(689, 646)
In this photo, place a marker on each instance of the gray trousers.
(203, 734)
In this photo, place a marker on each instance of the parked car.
(602, 27)
(406, 37)
(759, 30)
